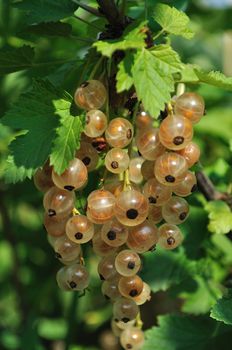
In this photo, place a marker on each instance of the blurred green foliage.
(34, 313)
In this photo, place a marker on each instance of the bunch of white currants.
(145, 181)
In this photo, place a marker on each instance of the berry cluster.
(146, 178)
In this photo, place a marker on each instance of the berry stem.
(86, 22)
(127, 184)
(87, 8)
(95, 68)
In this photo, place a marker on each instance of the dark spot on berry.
(58, 256)
(114, 165)
(72, 284)
(139, 153)
(178, 140)
(194, 188)
(69, 188)
(131, 265)
(111, 235)
(101, 277)
(132, 214)
(79, 235)
(51, 212)
(133, 292)
(116, 320)
(125, 319)
(171, 240)
(86, 160)
(170, 178)
(129, 346)
(152, 200)
(182, 216)
(129, 134)
(99, 144)
(83, 85)
(106, 296)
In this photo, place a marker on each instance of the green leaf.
(46, 10)
(50, 29)
(173, 21)
(134, 39)
(153, 80)
(37, 112)
(163, 269)
(16, 59)
(201, 300)
(220, 217)
(177, 332)
(168, 60)
(124, 75)
(214, 78)
(222, 310)
(66, 143)
(14, 173)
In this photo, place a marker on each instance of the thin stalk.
(158, 34)
(87, 8)
(71, 318)
(95, 68)
(88, 23)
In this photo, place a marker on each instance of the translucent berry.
(55, 226)
(143, 120)
(106, 267)
(170, 236)
(147, 169)
(61, 279)
(74, 177)
(155, 214)
(117, 160)
(143, 237)
(130, 286)
(132, 338)
(125, 310)
(115, 329)
(100, 247)
(175, 211)
(119, 133)
(187, 186)
(79, 229)
(144, 296)
(135, 173)
(90, 95)
(122, 325)
(156, 193)
(66, 250)
(118, 186)
(58, 202)
(191, 153)
(43, 178)
(148, 144)
(127, 262)
(170, 168)
(77, 277)
(114, 233)
(190, 105)
(100, 206)
(110, 289)
(131, 208)
(96, 123)
(88, 155)
(175, 132)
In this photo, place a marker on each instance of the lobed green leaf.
(173, 21)
(222, 310)
(16, 59)
(220, 217)
(134, 39)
